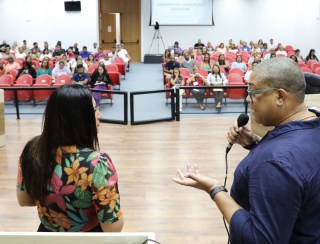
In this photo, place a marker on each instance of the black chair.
(313, 83)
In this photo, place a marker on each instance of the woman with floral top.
(62, 172)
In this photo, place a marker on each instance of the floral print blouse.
(83, 191)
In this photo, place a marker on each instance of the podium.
(2, 131)
(77, 237)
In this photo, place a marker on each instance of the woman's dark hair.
(44, 51)
(221, 62)
(219, 73)
(239, 56)
(311, 50)
(47, 66)
(92, 57)
(174, 75)
(69, 119)
(26, 63)
(294, 58)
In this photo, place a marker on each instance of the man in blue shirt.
(80, 77)
(276, 188)
(84, 53)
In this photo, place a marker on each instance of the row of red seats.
(312, 66)
(234, 79)
(44, 81)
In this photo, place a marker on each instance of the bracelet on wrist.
(216, 190)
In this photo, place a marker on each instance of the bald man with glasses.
(275, 195)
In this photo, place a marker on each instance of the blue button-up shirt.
(278, 186)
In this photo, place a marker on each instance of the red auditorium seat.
(42, 81)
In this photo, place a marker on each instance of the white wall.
(293, 22)
(46, 20)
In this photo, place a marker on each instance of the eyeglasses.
(252, 93)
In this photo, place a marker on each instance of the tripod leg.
(154, 37)
(162, 40)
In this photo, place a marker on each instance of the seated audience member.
(273, 55)
(122, 53)
(206, 63)
(4, 44)
(34, 53)
(260, 43)
(106, 60)
(45, 53)
(14, 47)
(210, 48)
(6, 53)
(61, 69)
(199, 57)
(60, 44)
(204, 51)
(113, 54)
(248, 73)
(62, 171)
(21, 53)
(84, 53)
(268, 56)
(170, 65)
(44, 69)
(298, 55)
(245, 47)
(81, 62)
(75, 48)
(216, 78)
(198, 45)
(80, 77)
(29, 60)
(36, 46)
(66, 61)
(264, 48)
(2, 71)
(70, 54)
(11, 65)
(27, 69)
(191, 53)
(188, 63)
(176, 53)
(167, 55)
(312, 55)
(100, 80)
(281, 51)
(294, 58)
(221, 48)
(91, 60)
(176, 45)
(233, 48)
(99, 55)
(255, 58)
(57, 51)
(197, 80)
(46, 46)
(239, 64)
(251, 45)
(256, 48)
(229, 45)
(223, 63)
(94, 48)
(176, 80)
(25, 49)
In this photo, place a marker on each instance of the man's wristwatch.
(216, 190)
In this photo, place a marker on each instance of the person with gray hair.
(274, 197)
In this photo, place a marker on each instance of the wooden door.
(130, 27)
(108, 31)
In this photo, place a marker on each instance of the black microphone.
(242, 121)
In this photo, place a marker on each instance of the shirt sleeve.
(19, 184)
(275, 196)
(106, 195)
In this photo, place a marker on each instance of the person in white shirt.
(45, 53)
(112, 54)
(122, 53)
(21, 53)
(281, 51)
(271, 45)
(94, 50)
(106, 60)
(248, 73)
(216, 78)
